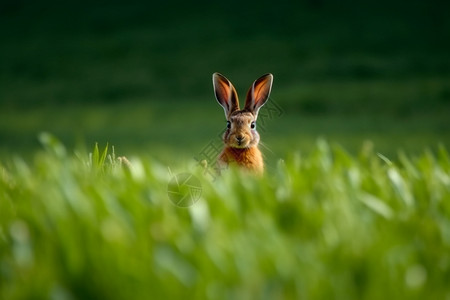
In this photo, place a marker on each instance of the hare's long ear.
(258, 94)
(225, 94)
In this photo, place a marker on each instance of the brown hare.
(241, 138)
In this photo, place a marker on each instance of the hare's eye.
(253, 125)
(228, 124)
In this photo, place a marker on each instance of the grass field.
(138, 75)
(327, 225)
(354, 203)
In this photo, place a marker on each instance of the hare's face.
(241, 127)
(241, 130)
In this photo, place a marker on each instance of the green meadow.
(317, 226)
(354, 203)
(138, 75)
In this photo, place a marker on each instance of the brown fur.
(241, 138)
(248, 158)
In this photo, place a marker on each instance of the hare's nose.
(239, 138)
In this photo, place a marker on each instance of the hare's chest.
(249, 158)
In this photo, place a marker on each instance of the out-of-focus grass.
(174, 132)
(323, 225)
(139, 74)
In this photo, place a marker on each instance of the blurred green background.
(138, 74)
(325, 224)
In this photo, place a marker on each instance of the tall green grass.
(320, 226)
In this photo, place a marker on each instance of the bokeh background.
(138, 74)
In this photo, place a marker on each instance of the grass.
(140, 73)
(324, 225)
(331, 219)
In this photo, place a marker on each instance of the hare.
(241, 138)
